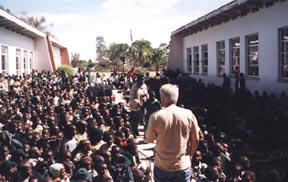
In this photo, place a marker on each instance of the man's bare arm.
(195, 137)
(150, 132)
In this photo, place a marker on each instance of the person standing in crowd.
(226, 81)
(242, 82)
(237, 80)
(176, 132)
(138, 96)
(3, 86)
(152, 105)
(131, 72)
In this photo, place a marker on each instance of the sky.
(77, 23)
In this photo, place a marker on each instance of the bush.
(67, 69)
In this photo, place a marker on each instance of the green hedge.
(68, 69)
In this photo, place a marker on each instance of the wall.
(15, 41)
(57, 56)
(175, 59)
(43, 51)
(42, 59)
(264, 22)
(65, 56)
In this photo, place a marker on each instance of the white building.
(243, 36)
(24, 48)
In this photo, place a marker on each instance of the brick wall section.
(65, 56)
(50, 51)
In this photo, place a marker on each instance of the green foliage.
(118, 54)
(37, 22)
(141, 51)
(67, 69)
(101, 49)
(75, 58)
(140, 55)
(159, 56)
(82, 64)
(147, 65)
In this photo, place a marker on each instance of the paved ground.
(146, 150)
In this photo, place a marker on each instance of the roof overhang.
(14, 24)
(56, 43)
(230, 11)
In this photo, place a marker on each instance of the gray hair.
(169, 93)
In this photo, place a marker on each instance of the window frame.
(250, 48)
(234, 55)
(220, 57)
(25, 61)
(283, 53)
(196, 60)
(31, 60)
(18, 61)
(189, 59)
(4, 59)
(204, 54)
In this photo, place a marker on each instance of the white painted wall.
(264, 22)
(15, 41)
(175, 54)
(42, 56)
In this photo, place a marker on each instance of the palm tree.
(141, 51)
(159, 55)
(118, 54)
(124, 53)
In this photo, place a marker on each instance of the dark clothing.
(136, 117)
(150, 106)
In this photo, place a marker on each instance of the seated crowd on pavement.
(53, 129)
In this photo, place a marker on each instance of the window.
(235, 55)
(25, 59)
(31, 60)
(189, 60)
(196, 59)
(283, 42)
(18, 61)
(252, 55)
(220, 46)
(204, 49)
(4, 59)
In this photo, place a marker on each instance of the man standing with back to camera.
(176, 132)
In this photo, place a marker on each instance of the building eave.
(230, 11)
(57, 43)
(14, 24)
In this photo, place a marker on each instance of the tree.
(124, 53)
(141, 52)
(3, 8)
(159, 55)
(39, 23)
(101, 50)
(118, 53)
(75, 58)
